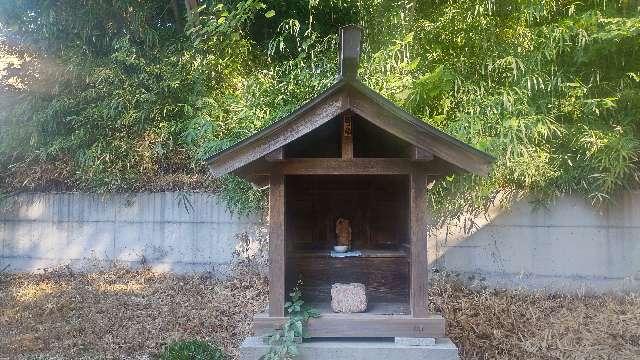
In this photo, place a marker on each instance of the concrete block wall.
(178, 232)
(568, 246)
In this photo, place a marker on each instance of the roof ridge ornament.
(350, 42)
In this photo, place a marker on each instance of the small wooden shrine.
(350, 154)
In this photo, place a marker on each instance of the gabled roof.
(350, 94)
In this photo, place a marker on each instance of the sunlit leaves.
(552, 89)
(541, 86)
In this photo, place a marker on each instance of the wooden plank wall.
(386, 279)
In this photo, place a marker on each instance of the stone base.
(371, 349)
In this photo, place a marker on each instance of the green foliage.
(124, 95)
(191, 350)
(544, 87)
(282, 342)
(241, 198)
(123, 108)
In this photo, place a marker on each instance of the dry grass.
(131, 314)
(122, 313)
(59, 175)
(498, 324)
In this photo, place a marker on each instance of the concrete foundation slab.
(373, 349)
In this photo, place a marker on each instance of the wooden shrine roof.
(350, 94)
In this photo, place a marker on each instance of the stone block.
(348, 298)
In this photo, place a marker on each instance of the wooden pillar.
(277, 254)
(418, 299)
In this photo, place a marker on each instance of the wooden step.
(364, 325)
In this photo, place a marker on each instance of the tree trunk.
(176, 15)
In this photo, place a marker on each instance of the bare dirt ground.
(125, 314)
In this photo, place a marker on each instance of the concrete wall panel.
(567, 246)
(171, 231)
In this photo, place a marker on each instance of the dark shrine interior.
(369, 141)
(377, 207)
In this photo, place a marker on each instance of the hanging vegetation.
(119, 95)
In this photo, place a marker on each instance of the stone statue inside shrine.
(343, 234)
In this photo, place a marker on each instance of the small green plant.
(283, 342)
(192, 350)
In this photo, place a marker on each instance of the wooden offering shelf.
(373, 308)
(364, 254)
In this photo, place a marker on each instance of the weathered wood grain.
(419, 154)
(279, 134)
(275, 155)
(418, 292)
(438, 145)
(357, 166)
(277, 254)
(386, 278)
(350, 95)
(361, 325)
